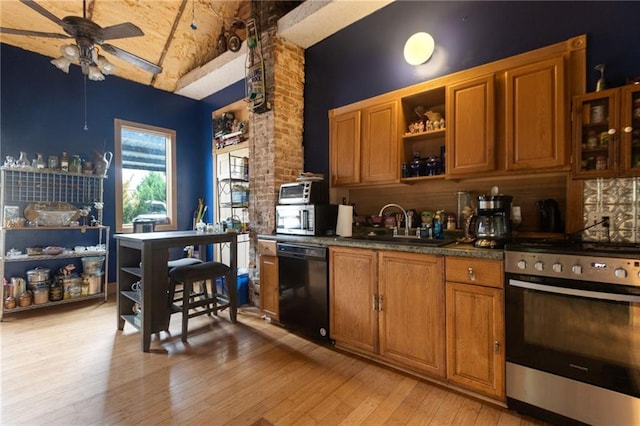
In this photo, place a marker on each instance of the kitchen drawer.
(475, 271)
(267, 248)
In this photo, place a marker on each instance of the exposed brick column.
(276, 153)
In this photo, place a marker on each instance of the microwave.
(306, 219)
(307, 192)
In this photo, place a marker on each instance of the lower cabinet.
(396, 308)
(353, 286)
(475, 325)
(390, 305)
(269, 297)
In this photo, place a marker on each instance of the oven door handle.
(575, 292)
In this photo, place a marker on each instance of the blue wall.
(42, 109)
(365, 59)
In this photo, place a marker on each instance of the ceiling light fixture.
(86, 55)
(419, 48)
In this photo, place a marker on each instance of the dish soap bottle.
(437, 227)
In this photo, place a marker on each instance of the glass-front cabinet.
(606, 133)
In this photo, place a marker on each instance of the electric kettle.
(550, 218)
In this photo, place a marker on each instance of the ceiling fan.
(87, 34)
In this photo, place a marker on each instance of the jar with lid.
(64, 162)
(24, 299)
(601, 162)
(9, 302)
(592, 140)
(56, 292)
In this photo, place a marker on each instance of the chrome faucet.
(406, 221)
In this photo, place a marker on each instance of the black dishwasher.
(304, 289)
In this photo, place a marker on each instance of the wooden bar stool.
(204, 301)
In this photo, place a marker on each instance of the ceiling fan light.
(70, 51)
(95, 74)
(62, 64)
(105, 66)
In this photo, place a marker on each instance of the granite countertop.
(453, 249)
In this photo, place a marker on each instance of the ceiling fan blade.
(124, 30)
(42, 11)
(130, 57)
(32, 33)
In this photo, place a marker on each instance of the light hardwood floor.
(69, 365)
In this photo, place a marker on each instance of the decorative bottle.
(64, 162)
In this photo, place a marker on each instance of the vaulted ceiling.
(179, 35)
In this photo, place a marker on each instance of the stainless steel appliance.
(573, 331)
(493, 227)
(306, 192)
(306, 219)
(303, 282)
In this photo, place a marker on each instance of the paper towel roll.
(345, 220)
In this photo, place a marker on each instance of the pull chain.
(194, 26)
(86, 126)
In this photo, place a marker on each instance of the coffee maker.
(493, 226)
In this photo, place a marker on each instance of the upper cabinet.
(423, 135)
(536, 116)
(345, 148)
(504, 117)
(471, 143)
(364, 144)
(379, 143)
(606, 133)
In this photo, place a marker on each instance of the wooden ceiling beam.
(170, 38)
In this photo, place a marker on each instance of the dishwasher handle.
(300, 251)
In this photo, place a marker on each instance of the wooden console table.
(143, 257)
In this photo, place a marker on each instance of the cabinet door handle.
(496, 346)
(375, 302)
(380, 303)
(472, 275)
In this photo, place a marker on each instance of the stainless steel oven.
(573, 333)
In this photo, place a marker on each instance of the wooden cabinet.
(380, 143)
(421, 139)
(364, 145)
(390, 305)
(475, 325)
(606, 133)
(353, 318)
(536, 116)
(345, 148)
(470, 141)
(269, 296)
(411, 310)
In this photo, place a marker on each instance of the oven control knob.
(539, 266)
(576, 269)
(557, 267)
(522, 264)
(620, 273)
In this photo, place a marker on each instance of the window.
(145, 177)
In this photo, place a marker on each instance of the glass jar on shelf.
(75, 165)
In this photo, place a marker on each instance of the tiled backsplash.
(620, 200)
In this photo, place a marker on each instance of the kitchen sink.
(404, 240)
